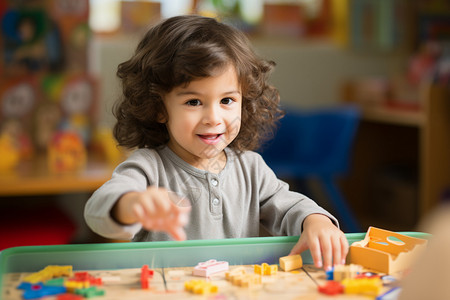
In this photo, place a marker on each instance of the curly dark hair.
(177, 51)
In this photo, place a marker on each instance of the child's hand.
(154, 209)
(323, 239)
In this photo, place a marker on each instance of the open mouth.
(210, 138)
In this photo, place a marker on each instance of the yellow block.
(199, 286)
(48, 273)
(371, 286)
(266, 269)
(291, 262)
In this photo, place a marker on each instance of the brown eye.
(194, 102)
(226, 101)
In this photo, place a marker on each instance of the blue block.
(39, 290)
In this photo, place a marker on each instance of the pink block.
(209, 267)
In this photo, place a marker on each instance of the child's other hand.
(324, 240)
(154, 209)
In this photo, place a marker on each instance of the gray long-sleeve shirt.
(230, 204)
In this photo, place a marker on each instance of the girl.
(195, 103)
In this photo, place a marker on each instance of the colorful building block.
(69, 297)
(291, 262)
(210, 267)
(39, 290)
(73, 285)
(240, 277)
(55, 282)
(370, 286)
(235, 272)
(341, 272)
(200, 286)
(146, 275)
(331, 287)
(90, 292)
(48, 273)
(266, 269)
(86, 277)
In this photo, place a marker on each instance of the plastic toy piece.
(235, 275)
(341, 272)
(291, 262)
(73, 285)
(265, 269)
(48, 273)
(146, 275)
(240, 277)
(200, 286)
(386, 251)
(370, 286)
(38, 290)
(210, 267)
(235, 272)
(55, 282)
(248, 280)
(86, 277)
(69, 297)
(90, 292)
(330, 274)
(331, 288)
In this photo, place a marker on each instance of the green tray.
(109, 256)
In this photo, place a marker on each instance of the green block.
(90, 292)
(55, 282)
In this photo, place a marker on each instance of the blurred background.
(388, 59)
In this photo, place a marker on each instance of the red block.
(146, 274)
(331, 288)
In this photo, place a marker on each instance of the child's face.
(204, 117)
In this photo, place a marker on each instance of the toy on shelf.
(66, 152)
(10, 154)
(105, 145)
(386, 251)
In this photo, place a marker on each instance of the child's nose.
(212, 115)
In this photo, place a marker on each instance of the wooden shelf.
(393, 116)
(34, 178)
(390, 140)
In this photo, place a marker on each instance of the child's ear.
(162, 118)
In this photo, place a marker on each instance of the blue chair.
(316, 144)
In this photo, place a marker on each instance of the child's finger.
(147, 223)
(337, 254)
(161, 202)
(177, 233)
(314, 248)
(138, 211)
(344, 248)
(148, 206)
(298, 248)
(326, 253)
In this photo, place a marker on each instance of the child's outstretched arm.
(324, 240)
(154, 210)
